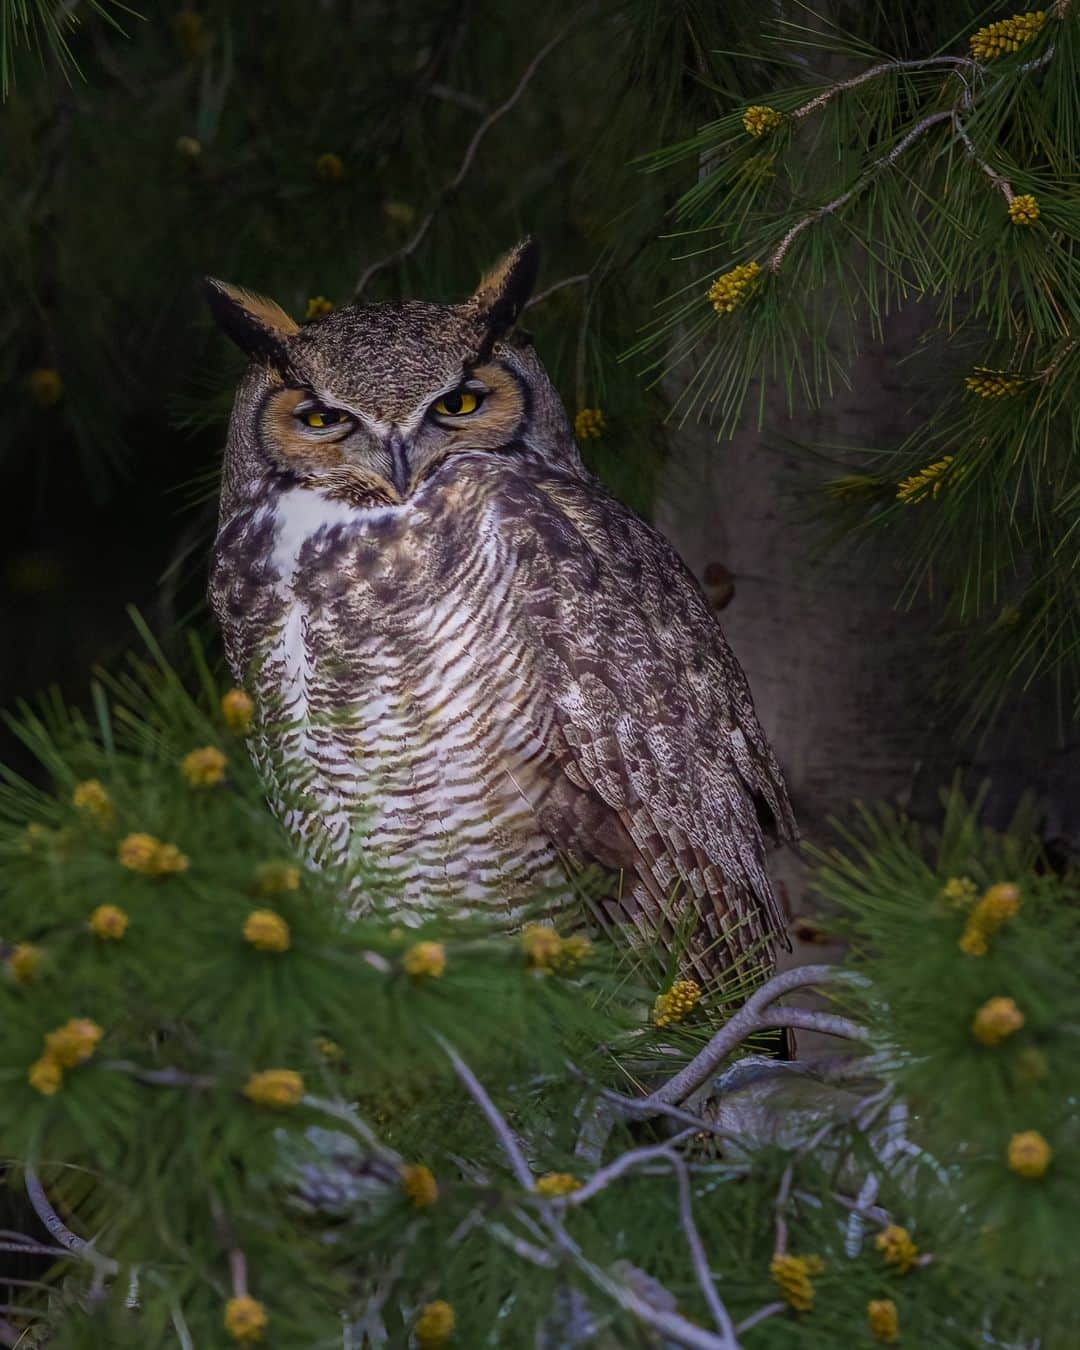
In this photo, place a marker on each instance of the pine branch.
(493, 117)
(743, 1024)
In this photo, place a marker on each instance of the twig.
(180, 1326)
(669, 1324)
(1002, 184)
(779, 1208)
(59, 1231)
(31, 1248)
(626, 1162)
(738, 1027)
(43, 1209)
(238, 1272)
(580, 280)
(769, 1310)
(349, 1116)
(873, 1214)
(407, 249)
(167, 1077)
(528, 1251)
(884, 68)
(458, 96)
(677, 1328)
(808, 1019)
(697, 1250)
(777, 256)
(492, 1115)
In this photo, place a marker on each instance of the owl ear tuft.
(258, 326)
(505, 288)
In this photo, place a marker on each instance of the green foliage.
(889, 184)
(152, 1144)
(43, 27)
(891, 883)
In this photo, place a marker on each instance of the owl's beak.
(400, 472)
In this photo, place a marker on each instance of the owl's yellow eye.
(318, 418)
(457, 403)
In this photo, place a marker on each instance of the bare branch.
(580, 280)
(884, 68)
(458, 96)
(808, 1019)
(778, 254)
(769, 1310)
(780, 1208)
(1002, 184)
(409, 248)
(167, 1077)
(626, 1162)
(59, 1231)
(740, 1025)
(492, 1115)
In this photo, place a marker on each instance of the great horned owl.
(471, 663)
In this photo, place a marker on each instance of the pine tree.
(238, 1119)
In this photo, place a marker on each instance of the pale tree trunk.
(841, 676)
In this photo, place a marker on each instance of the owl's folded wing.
(665, 771)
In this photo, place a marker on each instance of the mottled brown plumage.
(472, 663)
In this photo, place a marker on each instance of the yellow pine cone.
(575, 949)
(149, 856)
(330, 1050)
(676, 1002)
(731, 289)
(997, 905)
(203, 768)
(884, 1321)
(993, 383)
(589, 424)
(74, 1042)
(318, 306)
(45, 1075)
(275, 878)
(45, 386)
(1007, 35)
(267, 931)
(927, 482)
(24, 961)
(1024, 210)
(896, 1246)
(278, 1088)
(237, 710)
(960, 891)
(554, 1184)
(91, 799)
(419, 1184)
(425, 959)
(995, 1020)
(109, 921)
(245, 1319)
(543, 947)
(399, 215)
(435, 1325)
(329, 168)
(759, 119)
(791, 1275)
(1029, 1154)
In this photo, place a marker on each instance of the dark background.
(195, 141)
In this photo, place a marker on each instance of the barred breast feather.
(507, 670)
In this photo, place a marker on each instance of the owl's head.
(372, 399)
